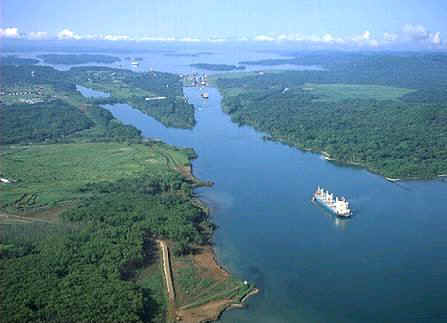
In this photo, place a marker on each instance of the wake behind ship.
(339, 206)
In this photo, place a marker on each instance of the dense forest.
(408, 70)
(83, 269)
(72, 59)
(40, 121)
(88, 199)
(396, 127)
(26, 75)
(59, 114)
(217, 67)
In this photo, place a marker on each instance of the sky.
(330, 23)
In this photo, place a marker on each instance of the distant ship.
(204, 95)
(339, 206)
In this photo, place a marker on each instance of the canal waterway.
(386, 264)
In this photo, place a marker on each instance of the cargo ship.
(339, 206)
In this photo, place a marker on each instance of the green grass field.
(51, 175)
(117, 89)
(335, 92)
(196, 285)
(238, 75)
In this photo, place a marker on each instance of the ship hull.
(329, 208)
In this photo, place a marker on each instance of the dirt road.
(167, 270)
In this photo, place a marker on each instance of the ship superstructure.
(338, 205)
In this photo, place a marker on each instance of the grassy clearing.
(336, 92)
(116, 88)
(212, 79)
(196, 285)
(53, 175)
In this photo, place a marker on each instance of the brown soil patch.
(187, 172)
(204, 313)
(206, 259)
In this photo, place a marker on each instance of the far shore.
(329, 158)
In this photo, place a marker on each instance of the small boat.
(134, 62)
(204, 95)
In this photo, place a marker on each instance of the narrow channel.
(386, 264)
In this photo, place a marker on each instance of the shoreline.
(213, 310)
(240, 305)
(326, 156)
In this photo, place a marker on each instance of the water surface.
(386, 264)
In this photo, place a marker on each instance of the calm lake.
(386, 264)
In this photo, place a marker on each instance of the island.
(382, 112)
(14, 60)
(91, 212)
(217, 67)
(74, 59)
(197, 54)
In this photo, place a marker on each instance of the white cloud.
(419, 33)
(11, 32)
(159, 39)
(67, 34)
(362, 38)
(435, 38)
(37, 35)
(410, 35)
(327, 38)
(373, 43)
(243, 38)
(282, 37)
(390, 37)
(91, 37)
(264, 38)
(216, 39)
(415, 32)
(116, 37)
(289, 37)
(189, 40)
(365, 39)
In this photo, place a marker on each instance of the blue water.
(159, 60)
(386, 264)
(90, 93)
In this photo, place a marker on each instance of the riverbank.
(201, 263)
(232, 297)
(219, 290)
(326, 156)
